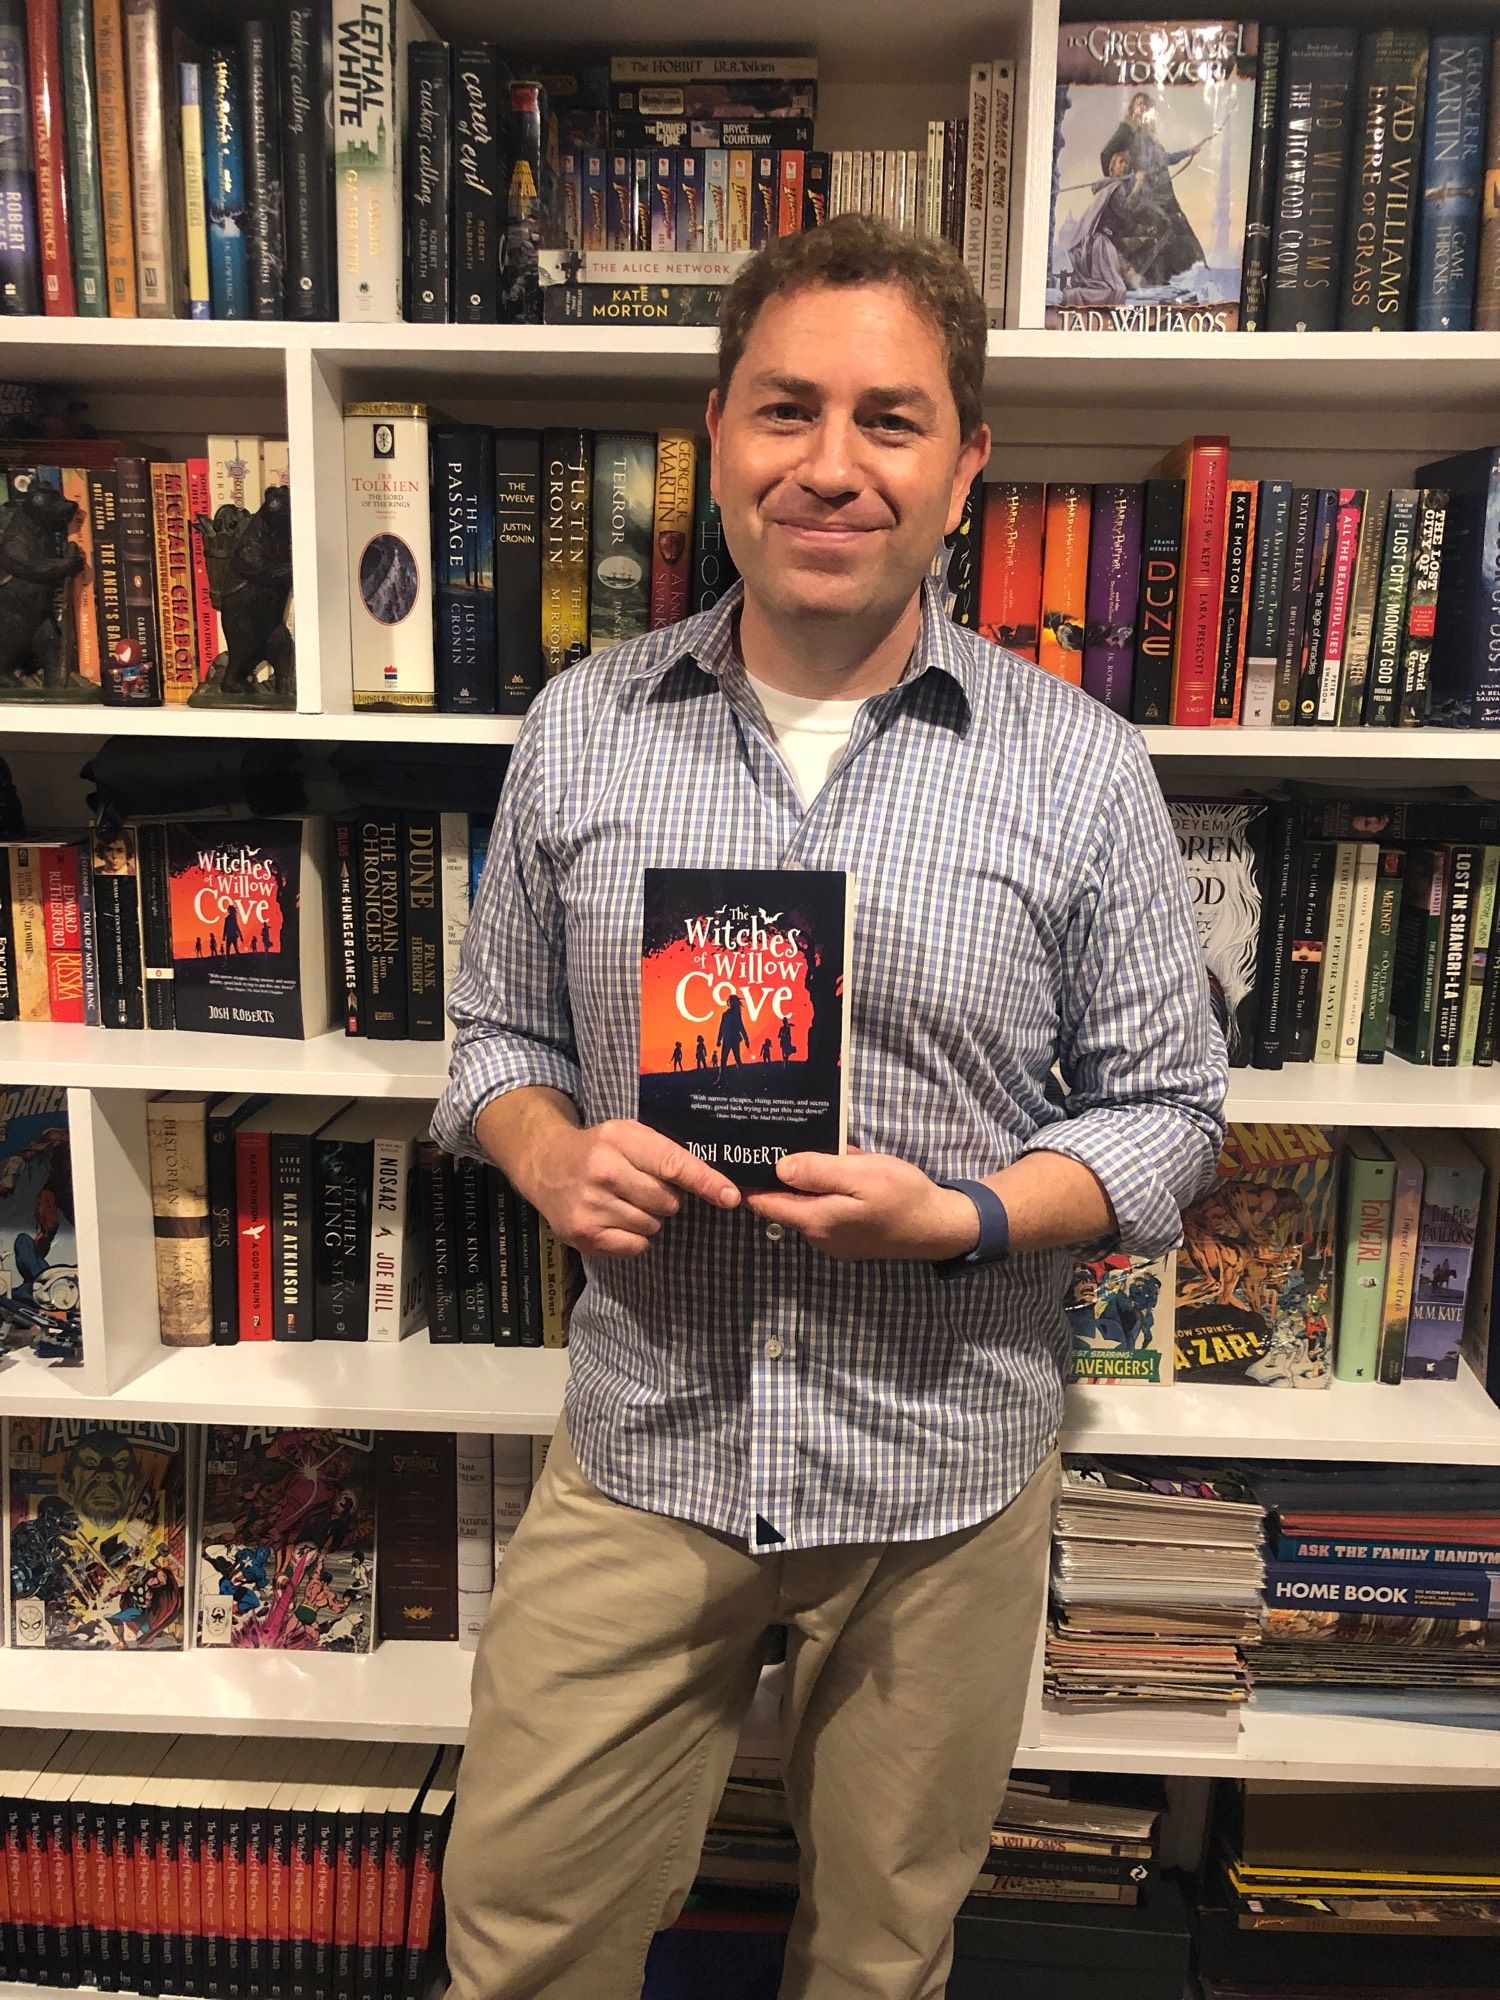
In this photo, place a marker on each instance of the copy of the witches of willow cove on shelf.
(1150, 168)
(744, 1011)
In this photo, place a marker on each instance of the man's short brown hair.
(861, 250)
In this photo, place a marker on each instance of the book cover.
(429, 185)
(1374, 1027)
(97, 1546)
(420, 854)
(1255, 1268)
(370, 42)
(177, 1148)
(1202, 463)
(387, 474)
(417, 1480)
(178, 639)
(382, 905)
(463, 486)
(1452, 1190)
(518, 568)
(247, 926)
(1487, 282)
(1138, 244)
(476, 171)
(1452, 178)
(1385, 187)
(1156, 614)
(1239, 537)
(1414, 679)
(1369, 1191)
(1010, 567)
(20, 249)
(1065, 567)
(1465, 676)
(155, 162)
(224, 186)
(39, 1291)
(54, 229)
(263, 192)
(114, 157)
(80, 137)
(1223, 847)
(622, 514)
(1363, 598)
(1113, 590)
(746, 970)
(194, 190)
(1260, 193)
(1397, 552)
(1307, 243)
(566, 476)
(672, 527)
(286, 1539)
(307, 132)
(1119, 1312)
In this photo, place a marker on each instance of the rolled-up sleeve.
(509, 1003)
(1143, 1059)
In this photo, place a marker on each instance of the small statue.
(249, 562)
(36, 561)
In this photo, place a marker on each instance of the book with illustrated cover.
(744, 1013)
(248, 937)
(1150, 172)
(286, 1539)
(1452, 1194)
(39, 1312)
(1255, 1269)
(96, 1546)
(1223, 847)
(1119, 1312)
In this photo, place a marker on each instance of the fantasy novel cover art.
(1223, 847)
(744, 1006)
(1255, 1268)
(1119, 1310)
(1150, 170)
(39, 1312)
(286, 1539)
(236, 954)
(97, 1525)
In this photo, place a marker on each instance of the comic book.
(1150, 169)
(39, 1313)
(286, 1539)
(1255, 1268)
(96, 1544)
(1119, 1310)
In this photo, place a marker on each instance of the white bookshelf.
(1091, 406)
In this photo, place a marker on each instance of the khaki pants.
(619, 1658)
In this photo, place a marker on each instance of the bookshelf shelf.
(292, 726)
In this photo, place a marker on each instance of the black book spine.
(1273, 949)
(435, 1192)
(1396, 556)
(104, 526)
(343, 1174)
(325, 1862)
(136, 680)
(156, 924)
(106, 1973)
(372, 1861)
(463, 540)
(1489, 1004)
(1296, 577)
(1261, 193)
(85, 1921)
(299, 1955)
(117, 932)
(278, 1866)
(1156, 615)
(713, 566)
(10, 999)
(429, 186)
(1414, 687)
(64, 1924)
(518, 568)
(526, 1265)
(1309, 941)
(292, 1236)
(1319, 586)
(1236, 576)
(476, 169)
(393, 1945)
(145, 1930)
(344, 1966)
(500, 1201)
(348, 953)
(1317, 89)
(1385, 187)
(168, 1939)
(265, 228)
(421, 834)
(380, 901)
(189, 1850)
(472, 1222)
(236, 1858)
(223, 1285)
(307, 169)
(1453, 958)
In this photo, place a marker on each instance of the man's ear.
(713, 417)
(973, 457)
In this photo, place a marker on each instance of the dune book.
(744, 1014)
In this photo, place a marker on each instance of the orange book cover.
(1010, 565)
(1065, 580)
(1202, 464)
(64, 917)
(174, 581)
(791, 163)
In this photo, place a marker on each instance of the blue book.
(20, 249)
(1382, 1592)
(1302, 1550)
(1465, 665)
(224, 187)
(463, 543)
(1452, 180)
(479, 850)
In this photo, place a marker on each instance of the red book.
(1065, 580)
(143, 1876)
(252, 1174)
(205, 618)
(257, 1883)
(38, 1887)
(232, 1860)
(346, 1892)
(672, 527)
(372, 1874)
(122, 1866)
(1010, 565)
(44, 60)
(211, 1886)
(791, 173)
(60, 867)
(1202, 464)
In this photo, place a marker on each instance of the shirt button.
(775, 1231)
(773, 1349)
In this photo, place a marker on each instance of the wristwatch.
(994, 1230)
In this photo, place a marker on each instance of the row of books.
(160, 1863)
(312, 1218)
(483, 561)
(1203, 600)
(1213, 175)
(133, 1537)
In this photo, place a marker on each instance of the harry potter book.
(248, 936)
(744, 1014)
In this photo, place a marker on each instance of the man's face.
(837, 462)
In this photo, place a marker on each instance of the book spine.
(174, 581)
(714, 568)
(366, 156)
(1065, 569)
(90, 946)
(1384, 188)
(1374, 1027)
(1437, 1593)
(429, 189)
(63, 930)
(552, 1262)
(566, 473)
(1010, 570)
(1360, 637)
(997, 190)
(1296, 592)
(1304, 1550)
(1349, 507)
(343, 1180)
(1453, 955)
(1465, 657)
(49, 146)
(1260, 197)
(499, 1203)
(815, 190)
(791, 166)
(1309, 943)
(526, 1271)
(381, 904)
(292, 1228)
(1489, 1002)
(1361, 921)
(81, 123)
(1479, 953)
(518, 568)
(135, 675)
(463, 487)
(348, 953)
(20, 250)
(1272, 969)
(476, 171)
(177, 1145)
(1452, 173)
(1204, 521)
(621, 514)
(390, 1161)
(762, 197)
(205, 618)
(1113, 592)
(1487, 282)
(252, 1183)
(1397, 553)
(224, 188)
(156, 925)
(155, 158)
(114, 158)
(1156, 615)
(223, 1211)
(263, 211)
(1418, 938)
(194, 190)
(1414, 685)
(387, 471)
(671, 575)
(307, 172)
(1316, 103)
(1263, 612)
(471, 1243)
(1401, 1271)
(29, 916)
(423, 927)
(453, 893)
(10, 997)
(435, 1192)
(976, 172)
(1239, 535)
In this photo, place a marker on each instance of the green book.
(86, 219)
(1369, 1189)
(1479, 953)
(1419, 936)
(1375, 1022)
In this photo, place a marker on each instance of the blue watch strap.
(994, 1229)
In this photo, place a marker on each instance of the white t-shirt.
(811, 733)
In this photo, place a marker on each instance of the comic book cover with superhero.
(39, 1314)
(286, 1539)
(1255, 1269)
(97, 1534)
(1119, 1310)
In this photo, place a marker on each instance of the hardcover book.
(1223, 847)
(1369, 1191)
(1452, 179)
(622, 514)
(417, 1473)
(463, 484)
(1465, 667)
(518, 567)
(248, 936)
(96, 1545)
(1452, 1191)
(1065, 572)
(1119, 1311)
(428, 295)
(39, 1312)
(744, 1014)
(177, 1143)
(286, 1539)
(1312, 179)
(307, 104)
(1114, 586)
(370, 43)
(476, 180)
(386, 466)
(1390, 98)
(1151, 164)
(1255, 1269)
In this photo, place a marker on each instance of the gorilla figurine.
(249, 561)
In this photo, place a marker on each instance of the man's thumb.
(815, 1173)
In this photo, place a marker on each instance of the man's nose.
(830, 465)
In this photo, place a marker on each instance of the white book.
(997, 194)
(1361, 923)
(370, 41)
(453, 870)
(512, 1487)
(476, 1534)
(1336, 952)
(235, 475)
(388, 497)
(396, 1289)
(716, 200)
(977, 172)
(932, 221)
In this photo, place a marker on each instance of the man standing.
(832, 1407)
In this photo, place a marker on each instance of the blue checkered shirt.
(1019, 903)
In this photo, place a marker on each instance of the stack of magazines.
(1156, 1592)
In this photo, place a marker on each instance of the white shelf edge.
(271, 725)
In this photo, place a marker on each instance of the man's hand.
(856, 1205)
(606, 1189)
